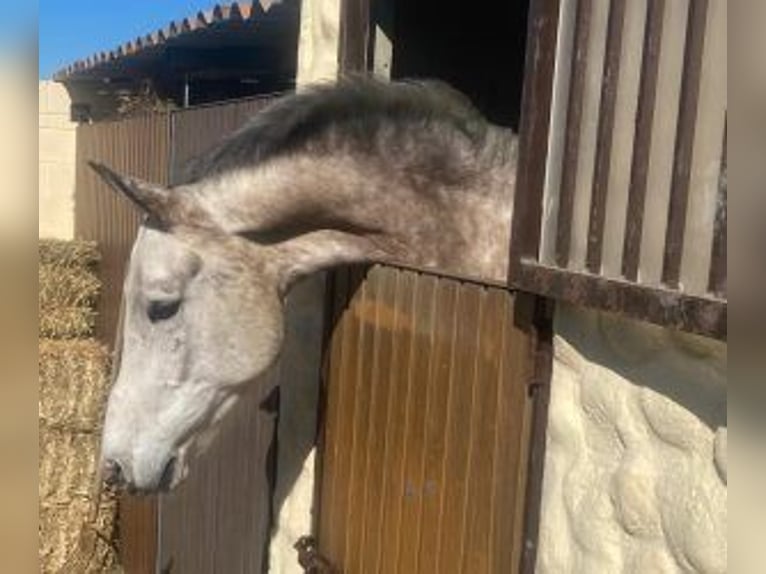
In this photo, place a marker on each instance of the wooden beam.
(667, 307)
(542, 30)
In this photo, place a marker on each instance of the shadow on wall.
(689, 369)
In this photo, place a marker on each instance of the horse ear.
(154, 200)
(323, 249)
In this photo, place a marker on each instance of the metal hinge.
(310, 559)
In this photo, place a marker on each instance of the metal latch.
(310, 559)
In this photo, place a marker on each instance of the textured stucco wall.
(57, 147)
(635, 470)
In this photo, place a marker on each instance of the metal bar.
(642, 142)
(572, 137)
(537, 94)
(684, 145)
(667, 307)
(354, 36)
(718, 263)
(539, 315)
(607, 105)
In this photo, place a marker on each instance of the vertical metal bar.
(541, 331)
(608, 103)
(684, 145)
(542, 29)
(718, 263)
(572, 137)
(639, 169)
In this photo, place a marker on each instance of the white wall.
(57, 147)
(635, 470)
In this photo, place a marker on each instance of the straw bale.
(61, 286)
(73, 380)
(75, 253)
(77, 523)
(77, 531)
(67, 322)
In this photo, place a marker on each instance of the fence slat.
(537, 95)
(685, 129)
(573, 128)
(604, 139)
(639, 168)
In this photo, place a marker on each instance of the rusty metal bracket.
(310, 559)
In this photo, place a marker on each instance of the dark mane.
(359, 115)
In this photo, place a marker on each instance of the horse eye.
(162, 310)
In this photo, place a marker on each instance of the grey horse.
(353, 172)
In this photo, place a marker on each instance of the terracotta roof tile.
(236, 11)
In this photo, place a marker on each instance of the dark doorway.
(477, 48)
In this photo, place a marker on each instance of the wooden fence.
(622, 174)
(427, 424)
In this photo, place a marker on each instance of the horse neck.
(462, 229)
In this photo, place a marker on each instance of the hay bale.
(67, 322)
(61, 286)
(77, 253)
(73, 382)
(77, 523)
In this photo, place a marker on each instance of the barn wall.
(56, 163)
(635, 470)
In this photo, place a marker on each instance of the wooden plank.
(668, 307)
(456, 459)
(414, 446)
(477, 512)
(578, 68)
(643, 139)
(386, 322)
(537, 95)
(685, 129)
(368, 400)
(440, 385)
(336, 537)
(365, 310)
(607, 110)
(396, 418)
(718, 263)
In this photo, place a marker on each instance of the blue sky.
(74, 29)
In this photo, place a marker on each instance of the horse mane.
(358, 114)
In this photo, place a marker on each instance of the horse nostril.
(113, 475)
(167, 474)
